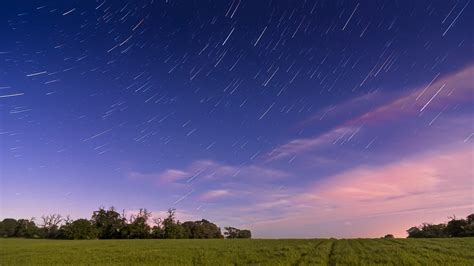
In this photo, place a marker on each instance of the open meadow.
(446, 251)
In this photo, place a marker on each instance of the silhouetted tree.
(201, 229)
(172, 229)
(455, 227)
(157, 229)
(414, 232)
(8, 227)
(469, 227)
(50, 226)
(109, 223)
(138, 225)
(79, 229)
(433, 230)
(470, 219)
(232, 232)
(427, 230)
(27, 228)
(244, 234)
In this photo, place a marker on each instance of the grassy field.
(458, 251)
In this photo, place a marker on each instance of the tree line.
(109, 224)
(454, 228)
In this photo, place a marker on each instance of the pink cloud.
(168, 176)
(172, 175)
(432, 180)
(367, 184)
(214, 194)
(406, 191)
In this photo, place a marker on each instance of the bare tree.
(144, 213)
(68, 219)
(157, 221)
(51, 220)
(51, 223)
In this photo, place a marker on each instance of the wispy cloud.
(168, 176)
(207, 170)
(297, 146)
(208, 180)
(215, 194)
(357, 105)
(432, 97)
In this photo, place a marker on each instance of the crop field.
(448, 251)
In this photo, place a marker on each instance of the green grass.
(452, 251)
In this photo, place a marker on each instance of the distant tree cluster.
(109, 224)
(232, 232)
(454, 228)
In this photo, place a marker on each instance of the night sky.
(290, 118)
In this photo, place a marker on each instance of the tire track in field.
(305, 254)
(409, 250)
(331, 259)
(393, 247)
